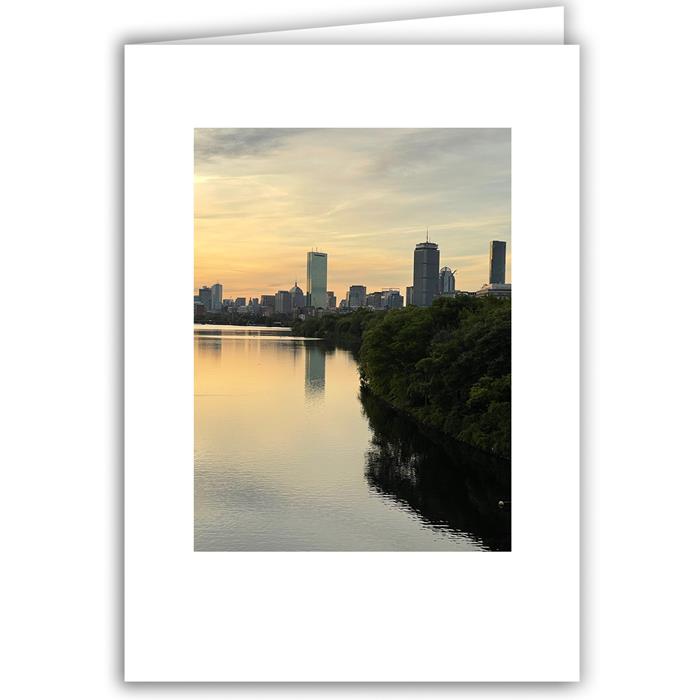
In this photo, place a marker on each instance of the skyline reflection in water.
(290, 457)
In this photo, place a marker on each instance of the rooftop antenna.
(427, 239)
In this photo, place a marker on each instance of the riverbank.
(447, 366)
(444, 479)
(226, 319)
(364, 480)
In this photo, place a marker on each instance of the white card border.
(314, 616)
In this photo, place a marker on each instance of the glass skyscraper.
(497, 262)
(317, 279)
(217, 294)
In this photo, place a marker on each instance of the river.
(290, 455)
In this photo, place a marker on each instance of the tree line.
(448, 365)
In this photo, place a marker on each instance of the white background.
(281, 616)
(62, 224)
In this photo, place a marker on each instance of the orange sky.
(264, 197)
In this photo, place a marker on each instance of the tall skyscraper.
(317, 279)
(447, 281)
(217, 294)
(497, 262)
(426, 280)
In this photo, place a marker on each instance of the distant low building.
(283, 302)
(392, 299)
(200, 310)
(386, 299)
(331, 300)
(375, 301)
(298, 297)
(205, 297)
(409, 296)
(268, 301)
(447, 282)
(494, 290)
(357, 296)
(240, 301)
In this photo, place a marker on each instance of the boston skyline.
(265, 198)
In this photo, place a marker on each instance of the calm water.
(290, 455)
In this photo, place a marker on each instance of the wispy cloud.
(239, 143)
(263, 197)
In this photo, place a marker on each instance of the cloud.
(239, 143)
(263, 197)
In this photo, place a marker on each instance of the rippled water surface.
(290, 455)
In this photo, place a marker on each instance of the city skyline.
(265, 197)
(445, 281)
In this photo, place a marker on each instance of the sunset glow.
(264, 197)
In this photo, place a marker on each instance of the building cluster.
(430, 281)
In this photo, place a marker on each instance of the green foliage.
(346, 329)
(223, 318)
(447, 365)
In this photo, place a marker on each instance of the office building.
(426, 278)
(494, 290)
(392, 299)
(375, 301)
(205, 297)
(217, 293)
(331, 300)
(356, 296)
(497, 262)
(447, 282)
(240, 301)
(267, 300)
(409, 296)
(317, 279)
(298, 297)
(283, 302)
(386, 299)
(199, 310)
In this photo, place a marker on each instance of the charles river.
(290, 455)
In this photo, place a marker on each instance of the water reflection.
(449, 485)
(209, 342)
(315, 376)
(286, 459)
